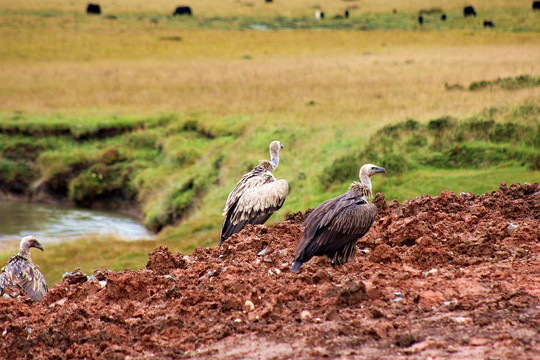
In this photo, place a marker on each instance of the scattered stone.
(74, 277)
(306, 316)
(511, 228)
(352, 293)
(404, 339)
(248, 306)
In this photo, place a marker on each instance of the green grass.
(181, 170)
(509, 83)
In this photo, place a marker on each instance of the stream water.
(55, 223)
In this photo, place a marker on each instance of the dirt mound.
(454, 275)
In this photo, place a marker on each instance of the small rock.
(320, 276)
(306, 316)
(74, 277)
(377, 313)
(461, 319)
(262, 252)
(511, 228)
(352, 293)
(248, 306)
(399, 296)
(237, 320)
(404, 339)
(333, 315)
(451, 305)
(431, 272)
(478, 341)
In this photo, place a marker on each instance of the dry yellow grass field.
(348, 76)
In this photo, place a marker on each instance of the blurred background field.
(162, 115)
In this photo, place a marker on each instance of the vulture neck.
(274, 158)
(366, 181)
(25, 250)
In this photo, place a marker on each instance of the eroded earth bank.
(436, 277)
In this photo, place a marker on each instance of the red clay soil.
(436, 277)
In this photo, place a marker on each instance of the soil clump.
(447, 276)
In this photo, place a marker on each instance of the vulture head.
(367, 171)
(28, 242)
(275, 146)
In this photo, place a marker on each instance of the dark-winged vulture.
(21, 272)
(256, 196)
(334, 226)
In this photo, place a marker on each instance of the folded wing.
(24, 274)
(253, 201)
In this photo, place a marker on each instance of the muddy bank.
(436, 277)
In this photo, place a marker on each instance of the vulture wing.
(256, 197)
(332, 228)
(19, 272)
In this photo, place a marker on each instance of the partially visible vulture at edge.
(334, 226)
(21, 272)
(256, 196)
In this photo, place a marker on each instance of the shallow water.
(55, 223)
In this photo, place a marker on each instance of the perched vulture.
(21, 272)
(256, 196)
(334, 226)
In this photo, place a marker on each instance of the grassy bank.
(179, 170)
(137, 108)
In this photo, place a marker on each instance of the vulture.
(21, 272)
(256, 196)
(334, 226)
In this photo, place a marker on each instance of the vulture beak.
(38, 245)
(377, 170)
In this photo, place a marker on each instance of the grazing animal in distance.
(488, 23)
(93, 9)
(182, 10)
(22, 273)
(443, 17)
(536, 5)
(468, 11)
(420, 19)
(334, 226)
(256, 196)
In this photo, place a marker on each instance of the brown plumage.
(21, 272)
(256, 196)
(334, 226)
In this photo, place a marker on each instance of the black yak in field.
(468, 11)
(420, 19)
(182, 10)
(93, 9)
(443, 17)
(536, 5)
(489, 23)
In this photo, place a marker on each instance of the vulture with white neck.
(256, 196)
(334, 226)
(21, 272)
